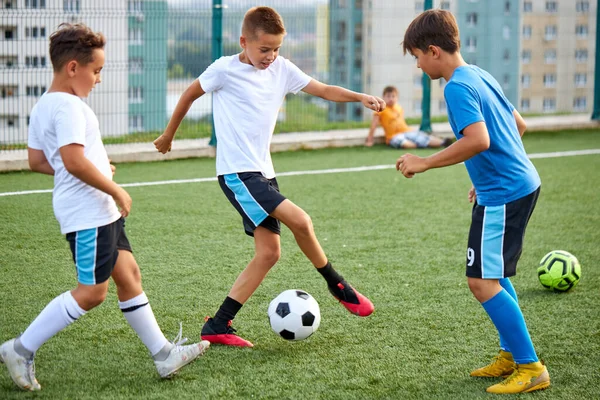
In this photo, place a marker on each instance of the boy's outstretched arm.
(370, 136)
(341, 95)
(475, 140)
(38, 162)
(80, 167)
(191, 94)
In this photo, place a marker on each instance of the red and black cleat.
(225, 334)
(350, 298)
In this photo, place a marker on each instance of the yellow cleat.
(501, 366)
(526, 378)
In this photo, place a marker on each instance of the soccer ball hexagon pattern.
(294, 315)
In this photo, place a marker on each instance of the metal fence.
(541, 52)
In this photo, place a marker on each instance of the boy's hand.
(409, 165)
(373, 102)
(123, 201)
(163, 143)
(472, 194)
(113, 168)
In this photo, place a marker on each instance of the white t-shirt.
(59, 119)
(246, 101)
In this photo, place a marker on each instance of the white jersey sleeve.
(213, 78)
(296, 79)
(69, 123)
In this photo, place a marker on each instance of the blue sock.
(507, 285)
(508, 319)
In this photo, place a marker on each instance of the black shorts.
(95, 251)
(254, 197)
(496, 237)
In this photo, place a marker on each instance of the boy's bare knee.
(270, 256)
(89, 297)
(303, 225)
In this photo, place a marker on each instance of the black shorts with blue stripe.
(95, 251)
(496, 237)
(254, 197)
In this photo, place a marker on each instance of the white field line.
(309, 172)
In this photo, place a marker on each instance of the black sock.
(330, 275)
(227, 311)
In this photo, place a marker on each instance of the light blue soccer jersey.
(503, 173)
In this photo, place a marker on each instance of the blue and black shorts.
(254, 197)
(496, 237)
(95, 251)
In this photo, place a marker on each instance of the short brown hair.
(390, 89)
(74, 42)
(432, 28)
(263, 19)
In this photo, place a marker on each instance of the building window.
(506, 81)
(525, 81)
(442, 106)
(136, 123)
(471, 44)
(580, 80)
(445, 5)
(71, 6)
(506, 32)
(550, 32)
(550, 56)
(549, 104)
(35, 3)
(582, 6)
(549, 80)
(10, 34)
(136, 94)
(525, 105)
(136, 65)
(579, 103)
(417, 109)
(472, 19)
(135, 36)
(526, 56)
(418, 82)
(135, 6)
(551, 7)
(507, 7)
(506, 55)
(526, 31)
(527, 7)
(581, 55)
(581, 31)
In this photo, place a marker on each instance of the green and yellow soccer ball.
(559, 270)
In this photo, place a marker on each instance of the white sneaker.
(180, 356)
(21, 369)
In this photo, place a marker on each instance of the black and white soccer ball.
(294, 315)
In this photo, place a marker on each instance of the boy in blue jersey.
(505, 189)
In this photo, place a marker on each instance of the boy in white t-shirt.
(248, 90)
(64, 141)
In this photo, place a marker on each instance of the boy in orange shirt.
(397, 133)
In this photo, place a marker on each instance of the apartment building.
(132, 95)
(558, 45)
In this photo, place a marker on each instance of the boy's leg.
(168, 357)
(61, 312)
(301, 226)
(495, 245)
(267, 252)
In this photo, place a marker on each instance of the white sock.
(138, 313)
(61, 312)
